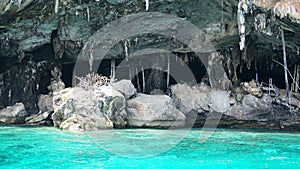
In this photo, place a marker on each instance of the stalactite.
(147, 5)
(76, 13)
(243, 8)
(135, 41)
(88, 14)
(126, 49)
(228, 65)
(113, 70)
(9, 94)
(66, 22)
(56, 6)
(186, 59)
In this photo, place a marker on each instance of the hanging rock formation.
(40, 42)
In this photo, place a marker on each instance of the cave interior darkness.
(263, 68)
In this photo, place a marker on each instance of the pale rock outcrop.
(125, 87)
(79, 109)
(156, 111)
(193, 98)
(15, 114)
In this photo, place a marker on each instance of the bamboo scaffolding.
(137, 79)
(143, 76)
(285, 65)
(168, 72)
(113, 70)
(297, 78)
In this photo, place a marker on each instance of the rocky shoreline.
(43, 42)
(120, 106)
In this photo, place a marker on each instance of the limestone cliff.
(38, 35)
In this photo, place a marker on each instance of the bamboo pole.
(293, 87)
(168, 73)
(143, 76)
(113, 70)
(297, 78)
(285, 65)
(137, 79)
(288, 73)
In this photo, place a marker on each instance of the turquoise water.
(46, 147)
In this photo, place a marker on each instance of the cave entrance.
(154, 78)
(155, 72)
(264, 70)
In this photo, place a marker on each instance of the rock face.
(15, 114)
(240, 110)
(196, 101)
(250, 111)
(45, 104)
(125, 87)
(78, 109)
(157, 111)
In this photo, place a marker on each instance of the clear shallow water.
(43, 147)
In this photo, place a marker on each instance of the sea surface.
(48, 147)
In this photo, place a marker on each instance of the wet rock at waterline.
(15, 114)
(40, 119)
(86, 109)
(155, 111)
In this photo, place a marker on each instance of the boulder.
(45, 103)
(125, 87)
(42, 118)
(252, 108)
(255, 107)
(87, 109)
(218, 101)
(15, 114)
(80, 122)
(156, 111)
(252, 88)
(190, 99)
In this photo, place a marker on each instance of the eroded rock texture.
(78, 109)
(40, 42)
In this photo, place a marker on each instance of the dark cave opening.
(265, 72)
(44, 82)
(183, 68)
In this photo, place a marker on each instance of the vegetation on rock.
(93, 80)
